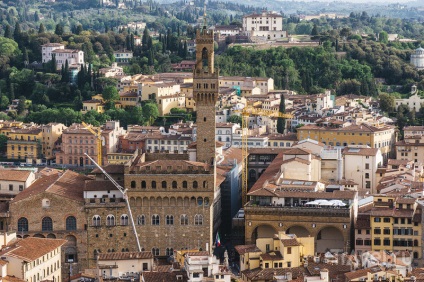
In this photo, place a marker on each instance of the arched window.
(155, 219)
(154, 184)
(169, 252)
(141, 220)
(169, 220)
(124, 219)
(71, 223)
(143, 184)
(184, 219)
(96, 220)
(47, 224)
(23, 224)
(184, 184)
(132, 184)
(198, 219)
(174, 184)
(110, 220)
(164, 184)
(195, 184)
(155, 251)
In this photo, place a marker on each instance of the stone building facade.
(176, 203)
(39, 211)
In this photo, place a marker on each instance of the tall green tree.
(281, 122)
(8, 32)
(41, 28)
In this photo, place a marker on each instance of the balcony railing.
(253, 208)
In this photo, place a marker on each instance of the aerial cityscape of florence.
(211, 141)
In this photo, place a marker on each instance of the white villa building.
(75, 57)
(413, 102)
(268, 25)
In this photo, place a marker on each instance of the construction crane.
(125, 196)
(246, 112)
(98, 135)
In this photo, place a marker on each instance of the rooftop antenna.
(204, 14)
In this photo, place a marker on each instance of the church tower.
(205, 93)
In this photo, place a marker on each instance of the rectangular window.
(21, 187)
(377, 242)
(367, 166)
(377, 219)
(289, 250)
(387, 219)
(10, 187)
(267, 247)
(386, 242)
(386, 231)
(377, 231)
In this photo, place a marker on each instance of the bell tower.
(205, 93)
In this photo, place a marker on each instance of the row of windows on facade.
(80, 150)
(28, 138)
(397, 220)
(37, 278)
(396, 231)
(164, 184)
(175, 142)
(25, 148)
(81, 140)
(47, 224)
(387, 242)
(155, 252)
(11, 187)
(141, 220)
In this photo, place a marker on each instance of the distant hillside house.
(75, 57)
(267, 25)
(123, 57)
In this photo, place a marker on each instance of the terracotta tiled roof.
(360, 273)
(11, 278)
(31, 248)
(274, 255)
(270, 172)
(200, 253)
(111, 169)
(242, 249)
(163, 276)
(67, 184)
(125, 256)
(14, 175)
(397, 162)
(268, 274)
(360, 151)
(299, 160)
(334, 270)
(100, 185)
(297, 151)
(290, 242)
(363, 222)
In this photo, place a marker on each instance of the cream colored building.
(382, 137)
(34, 259)
(50, 134)
(124, 264)
(361, 164)
(267, 25)
(157, 90)
(412, 147)
(14, 181)
(300, 164)
(166, 103)
(265, 84)
(280, 251)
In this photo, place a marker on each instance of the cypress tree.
(8, 32)
(17, 33)
(281, 122)
(41, 29)
(66, 71)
